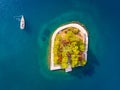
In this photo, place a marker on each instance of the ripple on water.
(46, 33)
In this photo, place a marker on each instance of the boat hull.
(22, 23)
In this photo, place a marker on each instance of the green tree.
(75, 30)
(83, 62)
(55, 59)
(64, 65)
(82, 47)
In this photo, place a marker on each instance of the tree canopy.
(68, 47)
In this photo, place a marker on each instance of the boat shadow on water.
(88, 69)
(27, 27)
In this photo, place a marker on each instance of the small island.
(69, 45)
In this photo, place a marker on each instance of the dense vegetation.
(69, 48)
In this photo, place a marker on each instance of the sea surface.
(24, 55)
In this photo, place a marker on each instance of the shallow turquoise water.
(24, 54)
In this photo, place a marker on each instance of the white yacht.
(22, 23)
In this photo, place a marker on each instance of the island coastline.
(73, 24)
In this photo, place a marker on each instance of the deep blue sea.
(24, 55)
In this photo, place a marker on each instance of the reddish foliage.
(60, 59)
(68, 54)
(80, 58)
